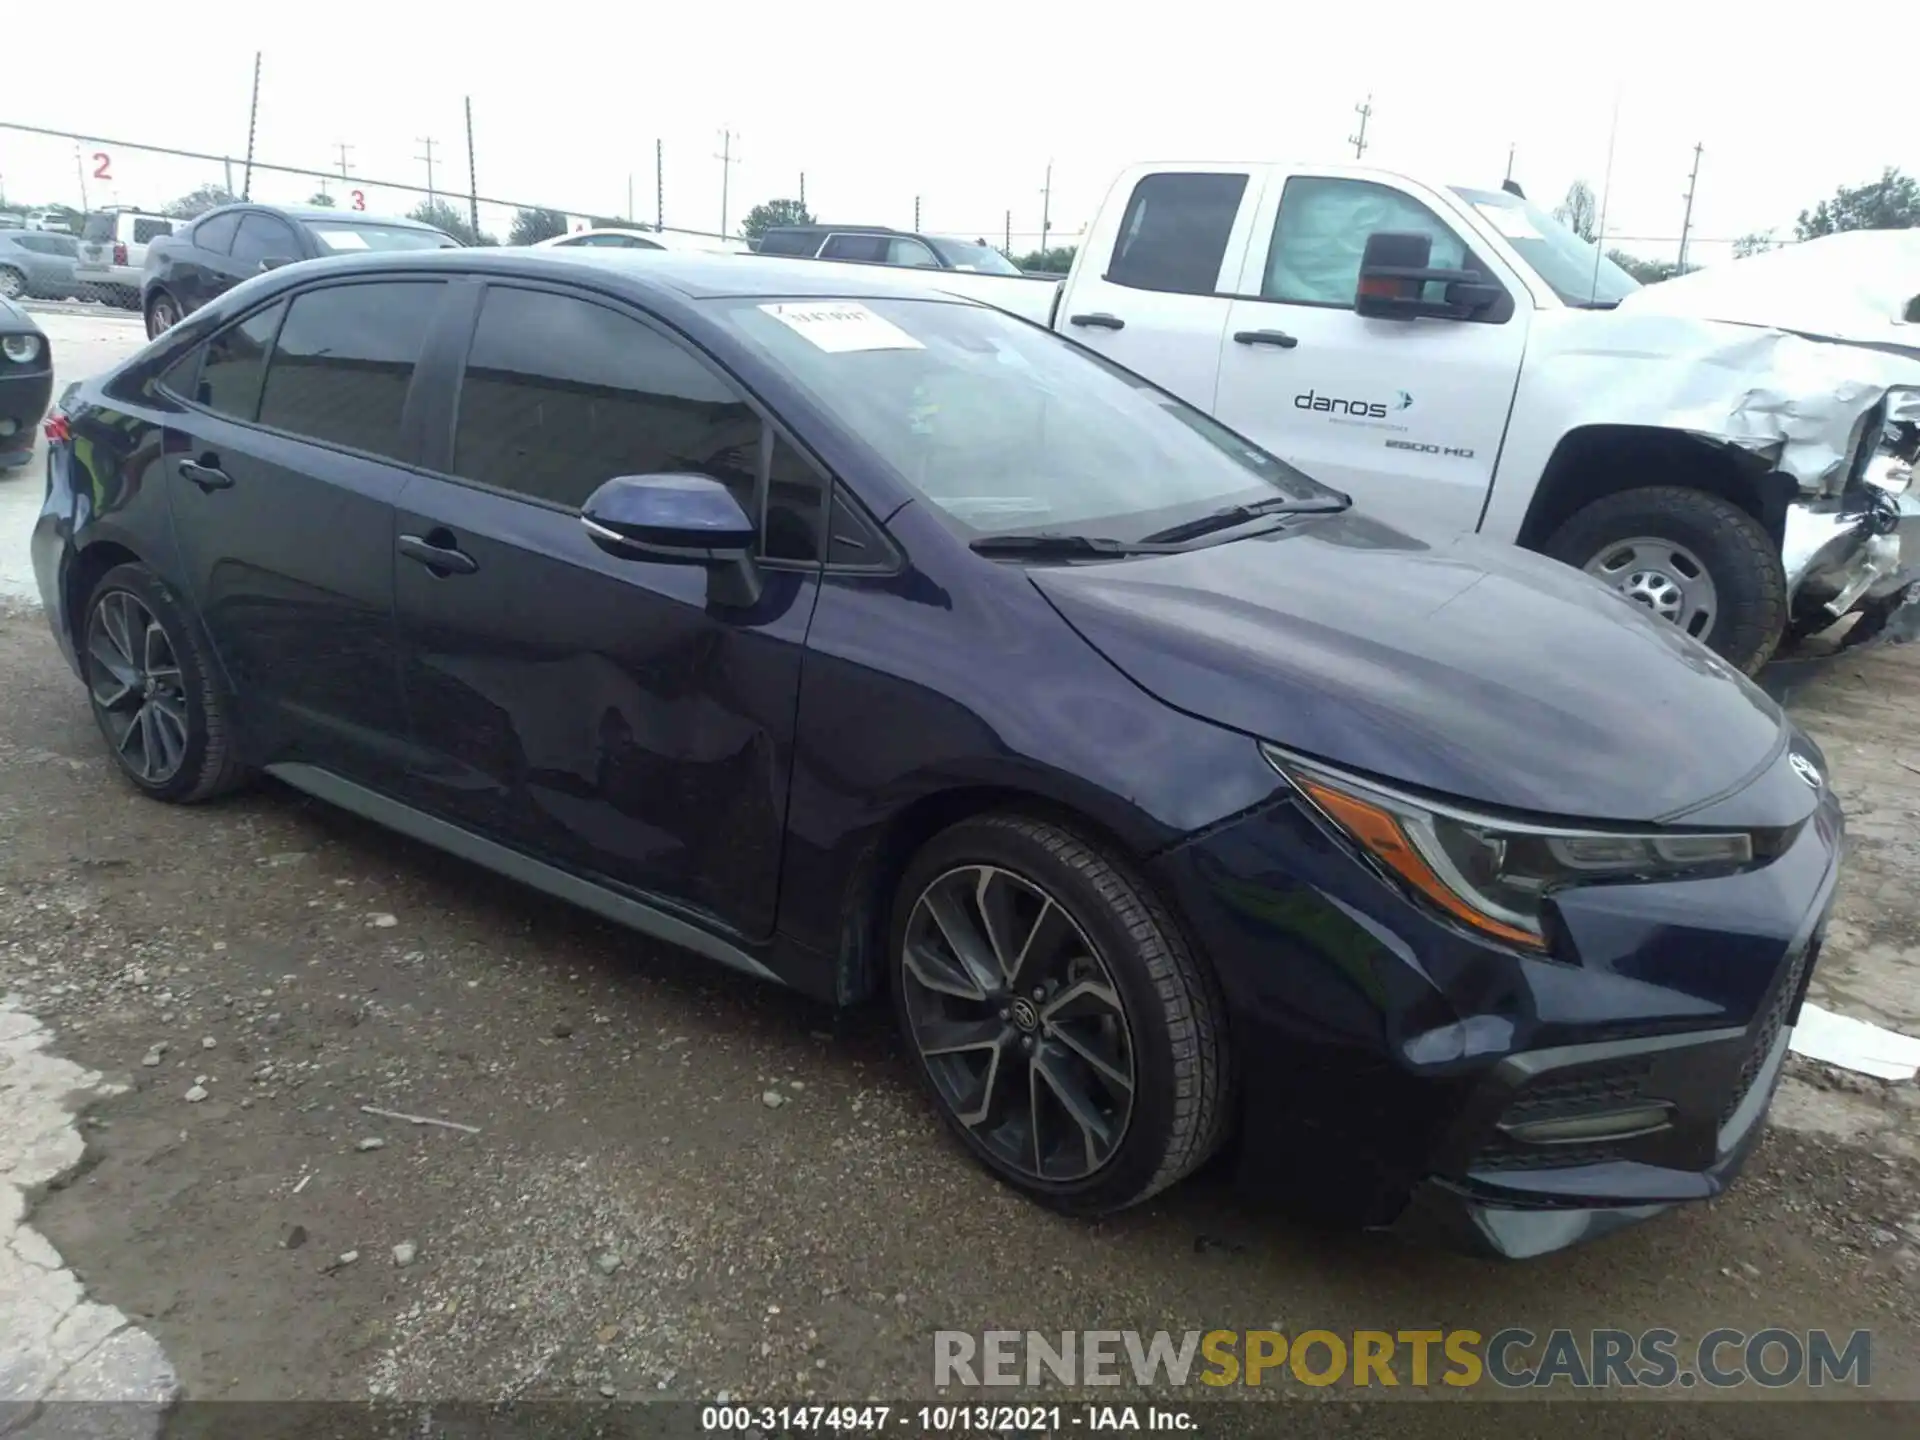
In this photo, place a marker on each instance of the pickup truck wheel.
(1691, 558)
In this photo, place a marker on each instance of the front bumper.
(24, 394)
(125, 277)
(1394, 1072)
(1861, 550)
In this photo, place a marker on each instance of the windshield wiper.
(1050, 543)
(1240, 514)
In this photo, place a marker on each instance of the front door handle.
(208, 477)
(441, 559)
(1279, 339)
(1099, 319)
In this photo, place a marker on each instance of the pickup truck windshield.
(1555, 253)
(965, 255)
(1005, 427)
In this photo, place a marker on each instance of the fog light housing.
(1626, 1124)
(8, 429)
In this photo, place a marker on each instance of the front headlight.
(21, 349)
(1488, 873)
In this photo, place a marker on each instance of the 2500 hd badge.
(1458, 452)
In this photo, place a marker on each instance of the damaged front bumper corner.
(1860, 551)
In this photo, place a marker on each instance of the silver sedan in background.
(38, 264)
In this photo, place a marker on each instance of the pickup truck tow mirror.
(1394, 274)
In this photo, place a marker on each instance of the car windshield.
(968, 255)
(1007, 428)
(345, 237)
(1573, 268)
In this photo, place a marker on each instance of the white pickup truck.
(1733, 448)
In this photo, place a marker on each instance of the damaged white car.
(1732, 449)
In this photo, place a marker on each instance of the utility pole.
(727, 160)
(1006, 244)
(253, 117)
(916, 214)
(803, 192)
(473, 179)
(1365, 112)
(343, 148)
(1686, 220)
(1046, 208)
(659, 185)
(427, 140)
(80, 169)
(629, 197)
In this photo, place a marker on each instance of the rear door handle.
(1279, 339)
(441, 559)
(207, 477)
(1099, 319)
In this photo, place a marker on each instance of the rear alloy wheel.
(12, 283)
(162, 315)
(1054, 1012)
(1690, 557)
(152, 691)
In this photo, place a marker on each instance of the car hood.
(1859, 286)
(1472, 669)
(13, 319)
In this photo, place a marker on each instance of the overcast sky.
(965, 106)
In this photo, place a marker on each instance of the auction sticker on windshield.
(841, 326)
(343, 239)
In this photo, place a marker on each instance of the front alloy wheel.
(1065, 1031)
(162, 315)
(1019, 1023)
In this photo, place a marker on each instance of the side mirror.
(677, 519)
(274, 262)
(1395, 270)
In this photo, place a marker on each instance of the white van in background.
(113, 252)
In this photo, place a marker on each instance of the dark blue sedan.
(880, 644)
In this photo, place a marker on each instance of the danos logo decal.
(1365, 409)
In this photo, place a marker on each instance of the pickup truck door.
(1159, 308)
(1407, 416)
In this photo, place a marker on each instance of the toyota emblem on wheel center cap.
(1024, 1015)
(1806, 770)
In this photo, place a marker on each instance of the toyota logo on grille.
(1806, 770)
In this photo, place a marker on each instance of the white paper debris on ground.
(840, 326)
(1855, 1044)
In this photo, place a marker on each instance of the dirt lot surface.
(679, 1183)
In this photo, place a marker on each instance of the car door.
(1405, 415)
(594, 712)
(197, 268)
(1161, 305)
(262, 242)
(282, 476)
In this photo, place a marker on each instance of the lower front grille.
(1766, 1029)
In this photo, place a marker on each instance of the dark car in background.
(880, 644)
(188, 268)
(883, 245)
(26, 383)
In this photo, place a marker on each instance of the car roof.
(305, 213)
(691, 274)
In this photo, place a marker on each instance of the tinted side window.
(216, 234)
(561, 395)
(789, 242)
(852, 539)
(262, 237)
(796, 522)
(911, 252)
(145, 230)
(854, 247)
(1174, 233)
(1321, 233)
(344, 359)
(235, 364)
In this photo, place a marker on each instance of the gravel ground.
(679, 1183)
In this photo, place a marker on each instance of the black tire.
(162, 312)
(1180, 1100)
(207, 764)
(13, 284)
(1743, 563)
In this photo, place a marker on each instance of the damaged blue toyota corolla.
(883, 645)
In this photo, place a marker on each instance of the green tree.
(442, 216)
(1755, 243)
(1579, 212)
(1055, 261)
(530, 226)
(322, 199)
(769, 213)
(1647, 272)
(1890, 203)
(198, 201)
